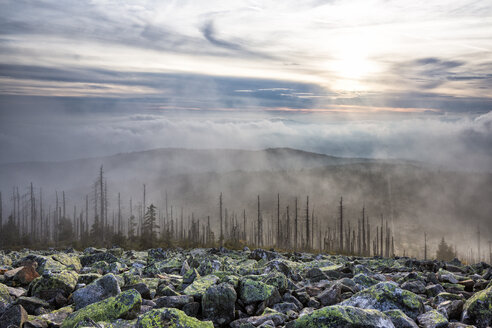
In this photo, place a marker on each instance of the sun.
(351, 67)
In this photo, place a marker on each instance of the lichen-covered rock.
(251, 291)
(98, 257)
(56, 317)
(100, 289)
(218, 304)
(14, 316)
(5, 298)
(173, 301)
(126, 305)
(278, 280)
(200, 285)
(173, 318)
(48, 286)
(387, 296)
(32, 304)
(70, 261)
(451, 309)
(400, 319)
(343, 316)
(330, 296)
(365, 280)
(478, 309)
(268, 317)
(432, 319)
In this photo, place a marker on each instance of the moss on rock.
(387, 296)
(343, 316)
(478, 309)
(200, 285)
(172, 318)
(126, 305)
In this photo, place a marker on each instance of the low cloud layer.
(451, 141)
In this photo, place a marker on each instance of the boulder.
(387, 296)
(218, 304)
(173, 301)
(432, 319)
(400, 319)
(478, 309)
(100, 289)
(14, 316)
(251, 291)
(126, 305)
(48, 286)
(163, 318)
(343, 316)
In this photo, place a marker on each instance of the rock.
(16, 291)
(191, 309)
(98, 257)
(387, 296)
(251, 291)
(23, 275)
(285, 307)
(433, 290)
(260, 254)
(343, 316)
(478, 309)
(400, 319)
(173, 301)
(126, 306)
(365, 280)
(432, 319)
(200, 285)
(48, 286)
(31, 304)
(56, 317)
(451, 309)
(218, 304)
(268, 315)
(14, 316)
(99, 290)
(162, 318)
(142, 288)
(330, 296)
(163, 290)
(442, 297)
(414, 286)
(5, 298)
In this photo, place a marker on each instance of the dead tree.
(295, 226)
(425, 246)
(364, 245)
(221, 238)
(307, 223)
(260, 225)
(278, 219)
(341, 224)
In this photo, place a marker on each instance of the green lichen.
(5, 260)
(343, 316)
(478, 308)
(278, 280)
(253, 291)
(172, 318)
(126, 305)
(4, 294)
(71, 262)
(200, 285)
(64, 281)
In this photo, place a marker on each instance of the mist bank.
(413, 198)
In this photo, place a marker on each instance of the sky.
(364, 78)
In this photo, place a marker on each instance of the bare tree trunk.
(341, 224)
(425, 246)
(278, 220)
(221, 237)
(364, 244)
(307, 223)
(295, 226)
(101, 190)
(260, 225)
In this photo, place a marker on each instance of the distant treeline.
(293, 227)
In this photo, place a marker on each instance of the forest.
(292, 225)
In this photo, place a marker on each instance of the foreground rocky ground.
(223, 288)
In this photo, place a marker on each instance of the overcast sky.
(372, 78)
